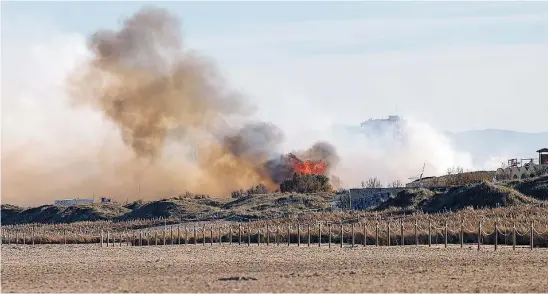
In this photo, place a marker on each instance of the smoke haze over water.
(142, 116)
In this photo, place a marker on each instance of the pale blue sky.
(455, 65)
(212, 16)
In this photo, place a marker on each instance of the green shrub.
(306, 184)
(259, 189)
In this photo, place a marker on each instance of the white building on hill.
(69, 202)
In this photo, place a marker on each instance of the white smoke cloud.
(384, 155)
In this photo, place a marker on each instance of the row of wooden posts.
(138, 240)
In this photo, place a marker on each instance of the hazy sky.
(456, 66)
(450, 66)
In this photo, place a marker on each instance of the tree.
(373, 182)
(395, 184)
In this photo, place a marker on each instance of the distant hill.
(486, 144)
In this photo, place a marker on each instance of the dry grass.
(466, 220)
(89, 268)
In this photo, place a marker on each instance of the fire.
(307, 167)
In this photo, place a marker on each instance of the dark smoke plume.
(145, 80)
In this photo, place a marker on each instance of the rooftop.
(543, 150)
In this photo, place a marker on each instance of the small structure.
(80, 201)
(525, 167)
(543, 156)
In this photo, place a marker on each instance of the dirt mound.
(61, 214)
(183, 208)
(278, 204)
(412, 199)
(10, 213)
(190, 207)
(481, 195)
(533, 187)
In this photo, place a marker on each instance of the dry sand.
(189, 268)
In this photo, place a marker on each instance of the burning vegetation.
(307, 167)
(292, 174)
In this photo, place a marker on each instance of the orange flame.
(307, 167)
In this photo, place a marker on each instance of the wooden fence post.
(179, 234)
(532, 235)
(388, 232)
(186, 235)
(203, 235)
(32, 235)
(329, 241)
(64, 237)
(195, 236)
(461, 233)
(288, 235)
(364, 234)
(514, 237)
(121, 239)
(377, 234)
(479, 235)
(171, 235)
(248, 235)
(267, 235)
(496, 235)
(140, 238)
(101, 237)
(298, 235)
(416, 235)
(220, 236)
(239, 234)
(308, 235)
(164, 234)
(108, 237)
(259, 236)
(429, 233)
(230, 234)
(211, 236)
(401, 233)
(342, 234)
(445, 233)
(352, 235)
(319, 234)
(277, 234)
